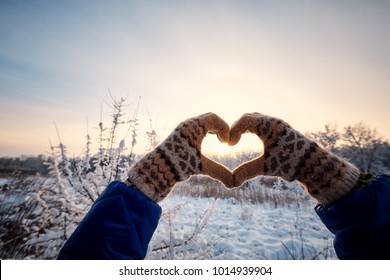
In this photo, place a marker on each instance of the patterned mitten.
(179, 157)
(292, 156)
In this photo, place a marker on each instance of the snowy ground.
(207, 228)
(3, 181)
(233, 228)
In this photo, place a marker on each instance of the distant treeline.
(30, 165)
(358, 143)
(24, 164)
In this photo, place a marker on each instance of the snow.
(3, 181)
(227, 229)
(201, 220)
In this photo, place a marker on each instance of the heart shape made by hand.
(217, 170)
(248, 148)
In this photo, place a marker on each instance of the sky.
(307, 62)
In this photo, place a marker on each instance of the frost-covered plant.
(152, 139)
(110, 154)
(37, 216)
(39, 213)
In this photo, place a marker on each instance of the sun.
(212, 146)
(223, 149)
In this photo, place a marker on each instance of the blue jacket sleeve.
(360, 222)
(119, 225)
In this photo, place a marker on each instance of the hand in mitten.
(179, 157)
(292, 156)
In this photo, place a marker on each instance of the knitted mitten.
(179, 157)
(292, 156)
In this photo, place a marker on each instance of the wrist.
(331, 180)
(363, 181)
(153, 188)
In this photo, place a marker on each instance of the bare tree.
(359, 143)
(362, 145)
(329, 138)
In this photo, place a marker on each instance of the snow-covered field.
(208, 228)
(284, 226)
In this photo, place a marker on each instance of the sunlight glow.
(248, 143)
(186, 58)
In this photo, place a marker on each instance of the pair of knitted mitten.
(179, 157)
(287, 154)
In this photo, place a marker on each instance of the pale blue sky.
(308, 62)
